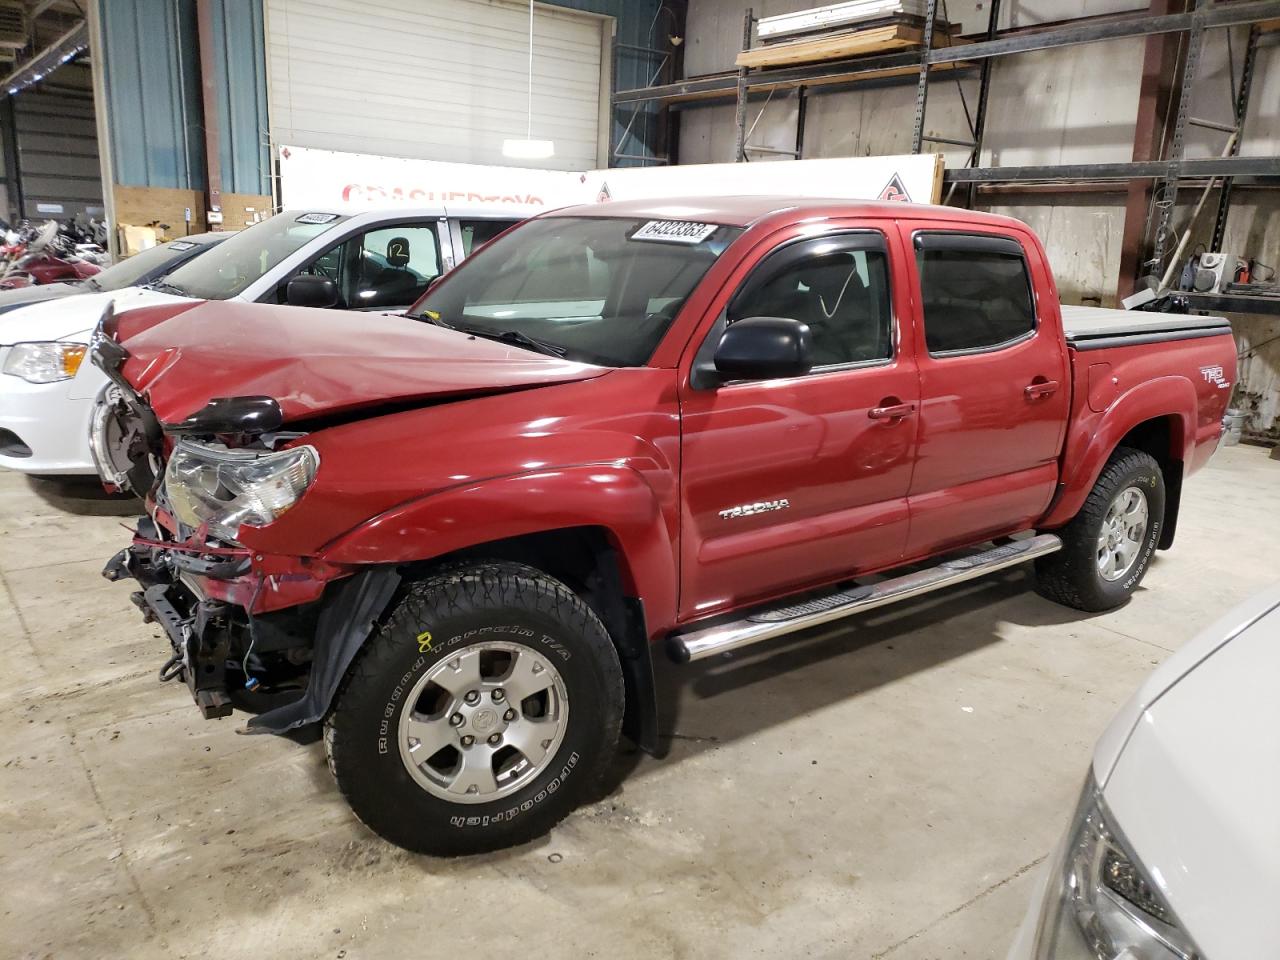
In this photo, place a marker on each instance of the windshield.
(600, 290)
(148, 263)
(228, 269)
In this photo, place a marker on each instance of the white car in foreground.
(1174, 850)
(374, 260)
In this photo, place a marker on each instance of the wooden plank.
(137, 206)
(879, 40)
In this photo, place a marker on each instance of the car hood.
(321, 362)
(68, 316)
(25, 296)
(1196, 786)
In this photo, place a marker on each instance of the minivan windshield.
(228, 269)
(147, 263)
(594, 289)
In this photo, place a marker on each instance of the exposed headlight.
(1100, 903)
(225, 488)
(44, 361)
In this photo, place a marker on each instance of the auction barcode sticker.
(675, 231)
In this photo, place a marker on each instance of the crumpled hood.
(318, 362)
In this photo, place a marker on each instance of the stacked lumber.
(842, 31)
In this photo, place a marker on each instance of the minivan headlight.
(44, 361)
(225, 488)
(1100, 902)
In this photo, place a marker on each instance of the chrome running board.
(767, 623)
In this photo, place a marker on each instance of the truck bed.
(1093, 328)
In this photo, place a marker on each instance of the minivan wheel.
(1107, 546)
(480, 715)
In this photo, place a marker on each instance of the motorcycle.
(36, 255)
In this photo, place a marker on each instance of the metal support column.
(922, 84)
(802, 106)
(984, 94)
(12, 160)
(209, 89)
(1160, 61)
(740, 117)
(1167, 192)
(1242, 110)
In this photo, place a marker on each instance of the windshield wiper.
(502, 336)
(164, 286)
(517, 338)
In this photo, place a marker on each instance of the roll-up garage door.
(444, 80)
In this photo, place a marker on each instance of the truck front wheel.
(480, 715)
(1107, 546)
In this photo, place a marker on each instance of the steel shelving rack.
(923, 63)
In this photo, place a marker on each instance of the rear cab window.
(975, 292)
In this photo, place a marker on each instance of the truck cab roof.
(746, 211)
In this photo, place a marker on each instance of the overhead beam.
(1216, 15)
(1209, 167)
(50, 58)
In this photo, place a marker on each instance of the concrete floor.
(884, 791)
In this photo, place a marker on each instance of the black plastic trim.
(1136, 339)
(968, 242)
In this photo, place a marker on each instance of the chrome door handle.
(1034, 391)
(895, 412)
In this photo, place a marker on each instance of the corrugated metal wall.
(639, 25)
(242, 96)
(153, 93)
(58, 147)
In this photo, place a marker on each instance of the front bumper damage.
(231, 633)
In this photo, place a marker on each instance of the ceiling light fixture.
(529, 148)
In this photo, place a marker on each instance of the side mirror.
(764, 348)
(305, 290)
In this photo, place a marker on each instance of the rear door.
(789, 483)
(993, 381)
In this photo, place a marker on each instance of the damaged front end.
(264, 632)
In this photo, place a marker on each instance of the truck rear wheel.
(1107, 546)
(480, 715)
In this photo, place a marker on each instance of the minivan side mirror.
(306, 290)
(764, 348)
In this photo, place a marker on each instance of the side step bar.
(773, 622)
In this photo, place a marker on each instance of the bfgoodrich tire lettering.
(1076, 576)
(494, 610)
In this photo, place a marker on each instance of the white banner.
(325, 178)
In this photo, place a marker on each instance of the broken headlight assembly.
(44, 361)
(1100, 902)
(224, 488)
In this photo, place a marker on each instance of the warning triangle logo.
(604, 193)
(894, 190)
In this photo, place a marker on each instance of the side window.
(842, 294)
(476, 233)
(383, 268)
(393, 266)
(976, 292)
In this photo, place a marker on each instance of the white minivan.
(372, 260)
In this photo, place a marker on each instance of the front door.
(794, 482)
(994, 387)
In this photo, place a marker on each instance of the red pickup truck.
(455, 537)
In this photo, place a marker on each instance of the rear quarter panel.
(1116, 388)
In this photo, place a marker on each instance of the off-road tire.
(461, 606)
(1071, 576)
